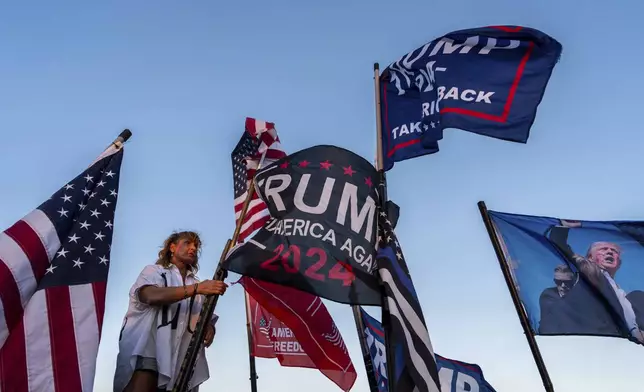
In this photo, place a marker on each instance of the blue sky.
(183, 76)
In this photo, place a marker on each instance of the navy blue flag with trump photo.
(486, 80)
(455, 376)
(576, 277)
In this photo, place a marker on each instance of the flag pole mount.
(122, 138)
(523, 316)
(115, 146)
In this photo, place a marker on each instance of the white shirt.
(160, 332)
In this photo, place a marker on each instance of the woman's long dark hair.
(165, 256)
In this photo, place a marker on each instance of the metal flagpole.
(389, 353)
(251, 357)
(523, 317)
(182, 383)
(373, 384)
(379, 153)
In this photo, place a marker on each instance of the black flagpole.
(117, 144)
(366, 355)
(182, 383)
(251, 357)
(371, 376)
(122, 138)
(523, 317)
(249, 334)
(389, 353)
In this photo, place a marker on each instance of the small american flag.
(259, 138)
(265, 327)
(54, 265)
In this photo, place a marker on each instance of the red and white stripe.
(48, 338)
(269, 145)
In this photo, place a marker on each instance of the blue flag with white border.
(455, 376)
(487, 80)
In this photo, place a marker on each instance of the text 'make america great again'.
(322, 235)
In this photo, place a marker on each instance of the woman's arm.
(158, 296)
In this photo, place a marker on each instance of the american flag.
(414, 365)
(54, 265)
(265, 327)
(259, 138)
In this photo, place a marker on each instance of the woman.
(164, 306)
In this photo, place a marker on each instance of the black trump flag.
(322, 234)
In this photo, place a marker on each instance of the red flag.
(273, 339)
(310, 324)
